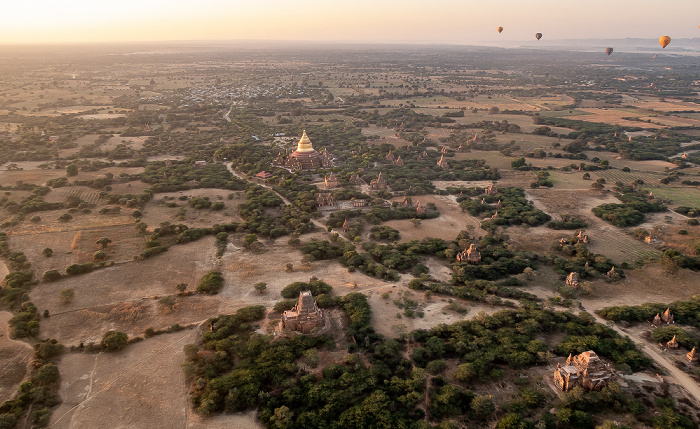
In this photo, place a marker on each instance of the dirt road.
(316, 222)
(679, 376)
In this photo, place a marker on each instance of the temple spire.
(304, 144)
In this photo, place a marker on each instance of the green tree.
(104, 242)
(261, 287)
(114, 340)
(482, 407)
(72, 170)
(47, 252)
(211, 283)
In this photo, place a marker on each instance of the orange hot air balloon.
(500, 29)
(609, 51)
(538, 36)
(664, 41)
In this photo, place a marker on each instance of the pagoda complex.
(305, 157)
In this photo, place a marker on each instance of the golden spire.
(304, 144)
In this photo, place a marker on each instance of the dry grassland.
(609, 116)
(446, 226)
(389, 321)
(129, 282)
(33, 176)
(156, 211)
(78, 246)
(141, 387)
(81, 221)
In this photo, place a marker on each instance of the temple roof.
(305, 144)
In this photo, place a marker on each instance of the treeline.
(685, 312)
(237, 370)
(515, 208)
(631, 211)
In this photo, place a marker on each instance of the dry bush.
(75, 244)
(126, 312)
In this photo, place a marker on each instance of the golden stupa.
(305, 144)
(305, 157)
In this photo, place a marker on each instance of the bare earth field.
(141, 387)
(446, 226)
(14, 358)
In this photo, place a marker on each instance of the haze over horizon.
(363, 21)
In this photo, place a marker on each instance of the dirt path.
(264, 185)
(679, 376)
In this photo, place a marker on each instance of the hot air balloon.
(609, 51)
(500, 29)
(664, 41)
(538, 36)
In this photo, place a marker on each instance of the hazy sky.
(446, 21)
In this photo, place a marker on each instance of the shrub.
(51, 275)
(75, 269)
(211, 283)
(114, 340)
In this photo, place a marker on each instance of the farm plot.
(608, 116)
(77, 246)
(374, 130)
(389, 321)
(242, 269)
(671, 121)
(685, 196)
(529, 142)
(89, 195)
(134, 143)
(569, 180)
(524, 122)
(647, 284)
(667, 105)
(80, 221)
(618, 246)
(613, 175)
(493, 159)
